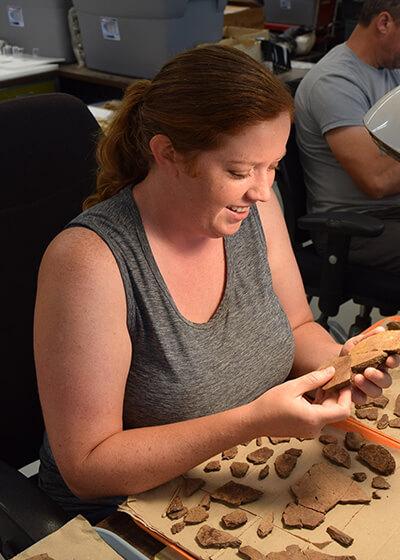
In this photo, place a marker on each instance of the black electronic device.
(278, 55)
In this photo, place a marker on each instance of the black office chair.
(330, 277)
(47, 166)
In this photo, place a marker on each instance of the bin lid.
(155, 9)
(39, 3)
(140, 9)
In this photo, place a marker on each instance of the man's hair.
(372, 8)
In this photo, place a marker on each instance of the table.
(91, 85)
(45, 82)
(83, 74)
(87, 84)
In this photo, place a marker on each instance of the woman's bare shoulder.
(79, 257)
(78, 247)
(76, 242)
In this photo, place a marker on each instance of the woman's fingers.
(344, 398)
(341, 398)
(331, 412)
(366, 386)
(380, 378)
(393, 361)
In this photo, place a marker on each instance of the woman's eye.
(237, 175)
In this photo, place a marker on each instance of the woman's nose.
(260, 190)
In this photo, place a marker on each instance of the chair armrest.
(339, 227)
(26, 513)
(343, 223)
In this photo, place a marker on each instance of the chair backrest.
(47, 163)
(290, 181)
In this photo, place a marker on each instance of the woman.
(170, 314)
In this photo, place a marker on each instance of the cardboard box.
(242, 16)
(245, 39)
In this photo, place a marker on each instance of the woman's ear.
(163, 151)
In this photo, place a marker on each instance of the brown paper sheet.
(374, 527)
(76, 540)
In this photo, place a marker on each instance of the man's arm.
(375, 173)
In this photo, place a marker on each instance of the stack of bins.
(136, 37)
(37, 24)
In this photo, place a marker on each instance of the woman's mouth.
(238, 209)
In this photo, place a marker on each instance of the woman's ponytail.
(122, 153)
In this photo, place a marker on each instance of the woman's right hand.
(284, 411)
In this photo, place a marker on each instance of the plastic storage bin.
(136, 37)
(123, 548)
(291, 12)
(41, 24)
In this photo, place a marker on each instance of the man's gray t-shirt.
(337, 92)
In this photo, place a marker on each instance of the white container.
(383, 123)
(136, 37)
(37, 24)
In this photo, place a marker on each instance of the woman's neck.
(164, 215)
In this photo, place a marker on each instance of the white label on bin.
(110, 29)
(15, 16)
(286, 4)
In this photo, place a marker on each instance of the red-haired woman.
(171, 312)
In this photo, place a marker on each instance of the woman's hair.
(195, 99)
(372, 8)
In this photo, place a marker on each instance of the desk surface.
(40, 77)
(84, 74)
(75, 72)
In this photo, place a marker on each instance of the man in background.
(344, 170)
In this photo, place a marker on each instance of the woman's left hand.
(372, 381)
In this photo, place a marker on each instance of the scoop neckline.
(151, 261)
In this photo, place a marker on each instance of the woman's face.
(217, 194)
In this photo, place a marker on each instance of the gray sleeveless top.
(182, 370)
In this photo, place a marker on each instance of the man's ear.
(384, 21)
(162, 149)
